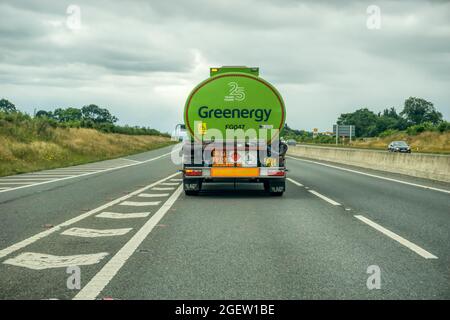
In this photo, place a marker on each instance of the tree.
(417, 111)
(67, 115)
(97, 114)
(364, 120)
(44, 114)
(7, 106)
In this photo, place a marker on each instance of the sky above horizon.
(140, 59)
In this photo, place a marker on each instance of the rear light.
(193, 172)
(272, 172)
(197, 172)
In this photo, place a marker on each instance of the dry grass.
(429, 141)
(69, 147)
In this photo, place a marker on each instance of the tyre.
(191, 193)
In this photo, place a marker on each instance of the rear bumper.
(233, 173)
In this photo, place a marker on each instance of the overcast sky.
(140, 59)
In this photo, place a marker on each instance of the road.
(133, 234)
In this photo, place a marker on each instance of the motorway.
(133, 234)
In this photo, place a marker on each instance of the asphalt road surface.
(123, 229)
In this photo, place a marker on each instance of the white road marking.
(24, 179)
(294, 182)
(139, 204)
(153, 195)
(43, 234)
(131, 160)
(41, 261)
(176, 180)
(169, 184)
(163, 188)
(107, 273)
(321, 196)
(47, 175)
(117, 215)
(373, 175)
(421, 252)
(8, 183)
(4, 188)
(86, 174)
(95, 233)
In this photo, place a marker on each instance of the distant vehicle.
(291, 142)
(399, 146)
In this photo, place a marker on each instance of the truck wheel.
(190, 193)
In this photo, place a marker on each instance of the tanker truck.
(233, 120)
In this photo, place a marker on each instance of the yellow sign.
(201, 128)
(270, 162)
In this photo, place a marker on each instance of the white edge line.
(321, 196)
(371, 175)
(421, 252)
(95, 286)
(85, 174)
(22, 244)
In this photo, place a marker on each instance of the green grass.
(26, 147)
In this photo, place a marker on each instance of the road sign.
(315, 132)
(344, 130)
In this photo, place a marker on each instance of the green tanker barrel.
(234, 98)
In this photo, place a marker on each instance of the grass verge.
(62, 147)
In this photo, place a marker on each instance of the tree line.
(418, 115)
(89, 116)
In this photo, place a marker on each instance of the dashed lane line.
(321, 196)
(372, 175)
(43, 234)
(95, 286)
(294, 182)
(85, 174)
(420, 251)
(317, 194)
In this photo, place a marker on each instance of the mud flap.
(277, 186)
(192, 185)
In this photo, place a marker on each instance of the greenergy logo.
(258, 114)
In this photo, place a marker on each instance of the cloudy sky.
(141, 58)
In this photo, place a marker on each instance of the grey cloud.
(147, 55)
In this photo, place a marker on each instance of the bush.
(444, 126)
(419, 128)
(387, 133)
